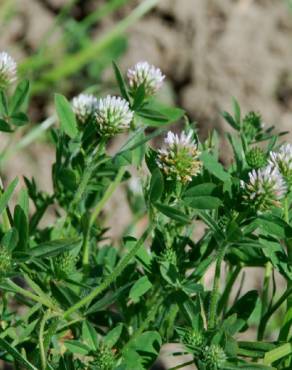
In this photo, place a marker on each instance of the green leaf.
(4, 126)
(113, 336)
(236, 110)
(203, 202)
(89, 335)
(121, 82)
(66, 116)
(245, 305)
(140, 287)
(5, 197)
(16, 355)
(21, 224)
(218, 234)
(199, 190)
(53, 248)
(3, 104)
(108, 300)
(23, 201)
(19, 97)
(173, 213)
(172, 114)
(156, 186)
(139, 97)
(10, 239)
(19, 119)
(75, 346)
(214, 167)
(156, 114)
(149, 342)
(229, 119)
(278, 353)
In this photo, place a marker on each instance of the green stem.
(110, 190)
(41, 340)
(272, 310)
(28, 294)
(215, 292)
(112, 277)
(287, 322)
(265, 296)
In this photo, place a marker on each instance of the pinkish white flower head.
(147, 74)
(113, 115)
(265, 188)
(8, 70)
(84, 106)
(283, 161)
(179, 159)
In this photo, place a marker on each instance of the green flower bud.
(256, 158)
(179, 160)
(214, 357)
(169, 255)
(105, 358)
(5, 261)
(65, 265)
(252, 125)
(194, 339)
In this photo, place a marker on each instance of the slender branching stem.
(41, 340)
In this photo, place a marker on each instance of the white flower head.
(179, 159)
(84, 106)
(113, 115)
(283, 161)
(8, 70)
(265, 188)
(147, 74)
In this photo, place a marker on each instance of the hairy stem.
(17, 289)
(41, 340)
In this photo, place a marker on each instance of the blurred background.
(210, 50)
